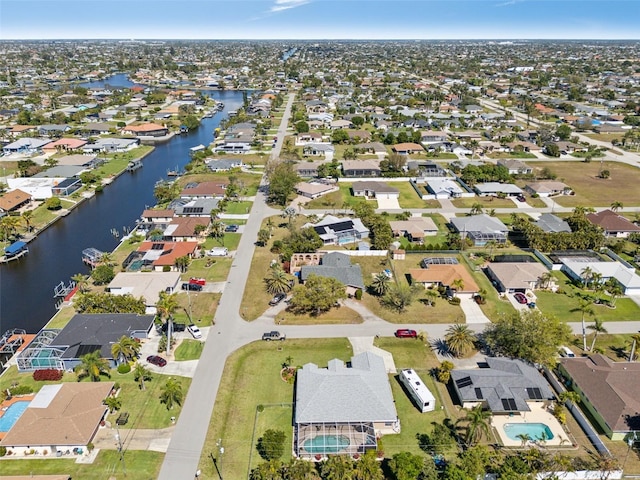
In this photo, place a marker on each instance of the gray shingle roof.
(504, 379)
(335, 265)
(551, 223)
(338, 393)
(479, 223)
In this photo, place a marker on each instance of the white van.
(566, 352)
(217, 252)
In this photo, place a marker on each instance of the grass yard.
(250, 181)
(410, 199)
(335, 316)
(188, 350)
(254, 370)
(235, 208)
(486, 202)
(217, 269)
(203, 307)
(590, 190)
(605, 137)
(339, 199)
(511, 155)
(141, 465)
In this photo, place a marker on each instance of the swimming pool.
(326, 444)
(12, 414)
(536, 431)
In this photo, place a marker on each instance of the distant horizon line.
(129, 39)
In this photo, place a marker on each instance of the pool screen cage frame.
(40, 354)
(362, 437)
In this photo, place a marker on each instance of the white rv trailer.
(420, 394)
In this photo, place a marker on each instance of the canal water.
(26, 285)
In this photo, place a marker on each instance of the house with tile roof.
(159, 255)
(518, 276)
(447, 276)
(146, 130)
(548, 188)
(414, 228)
(13, 200)
(353, 402)
(609, 390)
(373, 189)
(185, 229)
(612, 224)
(502, 385)
(212, 189)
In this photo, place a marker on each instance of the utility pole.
(121, 450)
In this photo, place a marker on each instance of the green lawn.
(410, 199)
(486, 202)
(340, 199)
(140, 465)
(254, 370)
(189, 350)
(235, 208)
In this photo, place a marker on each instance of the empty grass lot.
(341, 199)
(591, 190)
(254, 370)
(189, 350)
(486, 202)
(410, 199)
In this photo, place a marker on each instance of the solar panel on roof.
(479, 395)
(84, 349)
(534, 393)
(342, 226)
(157, 246)
(464, 382)
(192, 209)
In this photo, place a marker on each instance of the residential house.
(146, 130)
(495, 189)
(504, 386)
(480, 229)
(212, 189)
(518, 276)
(551, 223)
(308, 137)
(13, 200)
(351, 400)
(98, 128)
(87, 161)
(53, 130)
(444, 188)
(315, 189)
(185, 229)
(65, 144)
(372, 189)
(156, 219)
(445, 275)
(340, 231)
(582, 271)
(609, 390)
(38, 188)
(372, 148)
(111, 145)
(612, 224)
(161, 256)
(194, 207)
(223, 164)
(361, 168)
(548, 188)
(425, 168)
(407, 148)
(26, 146)
(433, 136)
(338, 124)
(146, 285)
(414, 229)
(338, 266)
(61, 417)
(515, 167)
(307, 169)
(359, 135)
(318, 150)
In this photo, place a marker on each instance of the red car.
(197, 281)
(521, 298)
(406, 333)
(156, 360)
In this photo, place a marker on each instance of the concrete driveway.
(385, 203)
(472, 311)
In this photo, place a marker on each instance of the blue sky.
(320, 19)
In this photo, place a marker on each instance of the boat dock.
(134, 165)
(92, 256)
(14, 251)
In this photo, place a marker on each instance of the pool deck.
(538, 414)
(7, 403)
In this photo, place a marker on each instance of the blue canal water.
(26, 285)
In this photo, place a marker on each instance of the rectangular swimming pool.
(12, 414)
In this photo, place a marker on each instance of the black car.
(231, 228)
(177, 327)
(277, 298)
(194, 287)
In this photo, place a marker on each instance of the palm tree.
(477, 421)
(368, 467)
(216, 230)
(473, 144)
(459, 339)
(634, 339)
(263, 237)
(171, 393)
(301, 470)
(106, 258)
(182, 263)
(586, 275)
(615, 206)
(114, 403)
(524, 438)
(432, 295)
(458, 284)
(92, 365)
(141, 375)
(125, 349)
(569, 396)
(491, 245)
(584, 307)
(278, 281)
(545, 279)
(380, 284)
(476, 209)
(27, 215)
(81, 281)
(167, 304)
(338, 467)
(9, 226)
(597, 328)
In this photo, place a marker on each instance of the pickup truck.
(268, 336)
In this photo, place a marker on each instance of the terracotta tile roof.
(446, 275)
(170, 251)
(13, 199)
(150, 213)
(407, 147)
(71, 417)
(145, 127)
(612, 222)
(71, 143)
(206, 188)
(185, 226)
(613, 388)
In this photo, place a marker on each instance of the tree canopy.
(108, 303)
(282, 181)
(317, 295)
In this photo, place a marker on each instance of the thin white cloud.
(508, 2)
(281, 5)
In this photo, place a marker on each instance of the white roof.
(626, 276)
(438, 185)
(490, 187)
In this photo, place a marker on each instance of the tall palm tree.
(524, 438)
(586, 275)
(81, 281)
(106, 258)
(432, 296)
(141, 375)
(27, 215)
(114, 403)
(615, 206)
(380, 284)
(301, 470)
(477, 421)
(9, 226)
(476, 209)
(92, 365)
(368, 467)
(635, 339)
(216, 230)
(171, 393)
(597, 328)
(459, 339)
(278, 280)
(125, 349)
(458, 284)
(545, 279)
(167, 304)
(585, 308)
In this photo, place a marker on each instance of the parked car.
(177, 327)
(567, 352)
(532, 305)
(194, 287)
(521, 198)
(194, 331)
(217, 252)
(197, 281)
(274, 335)
(156, 360)
(406, 333)
(277, 298)
(231, 228)
(521, 298)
